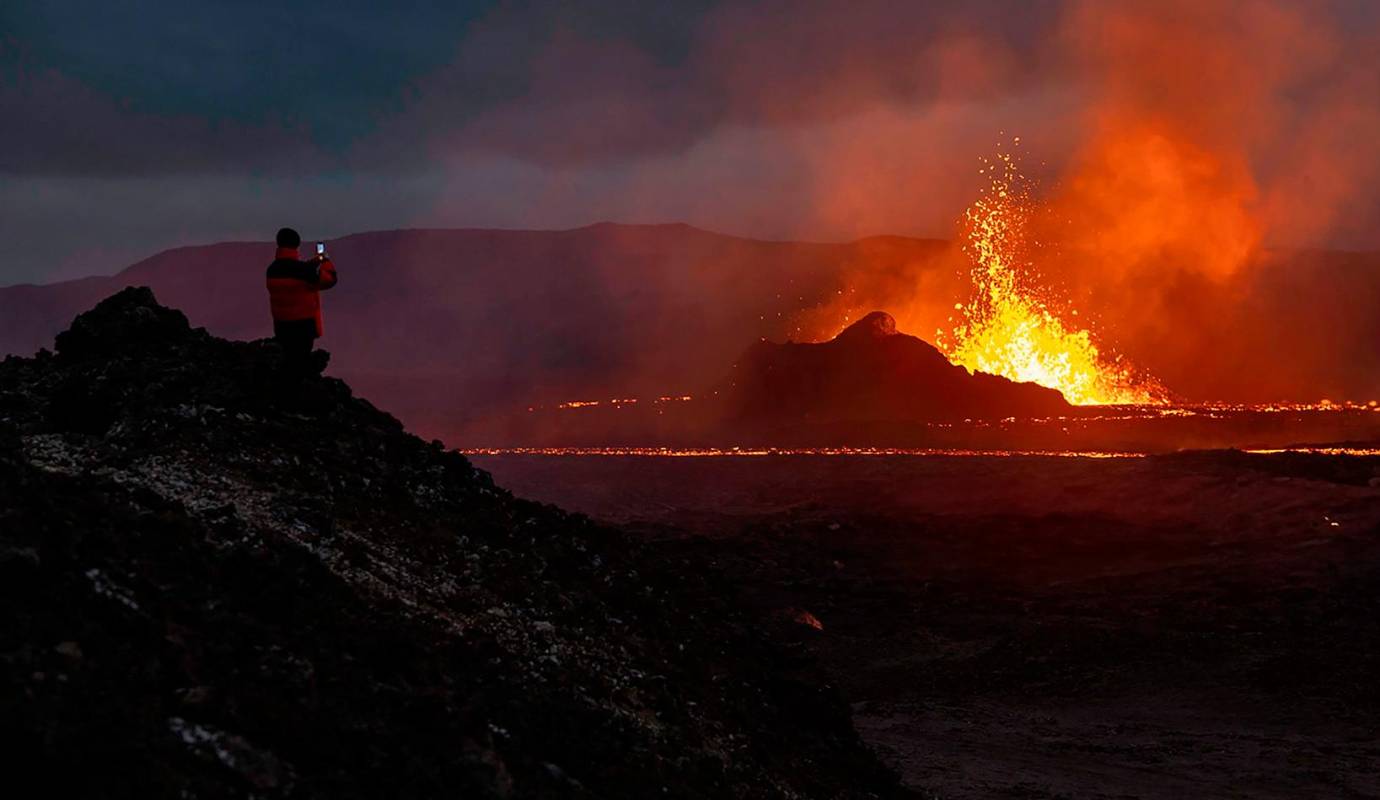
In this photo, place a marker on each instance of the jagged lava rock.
(218, 583)
(872, 372)
(128, 320)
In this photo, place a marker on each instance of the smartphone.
(321, 248)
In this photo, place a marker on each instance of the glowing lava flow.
(1008, 330)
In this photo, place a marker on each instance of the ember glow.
(757, 452)
(617, 402)
(1008, 327)
(1364, 452)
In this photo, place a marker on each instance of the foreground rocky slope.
(216, 585)
(1201, 625)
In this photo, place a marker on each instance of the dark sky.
(132, 127)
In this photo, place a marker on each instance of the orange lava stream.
(741, 452)
(1008, 329)
(757, 452)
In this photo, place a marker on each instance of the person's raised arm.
(325, 274)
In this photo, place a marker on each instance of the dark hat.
(287, 237)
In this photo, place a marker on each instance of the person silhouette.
(294, 296)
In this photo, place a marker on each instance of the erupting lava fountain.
(1007, 326)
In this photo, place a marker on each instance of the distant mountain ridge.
(446, 328)
(454, 330)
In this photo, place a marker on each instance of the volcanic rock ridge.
(871, 371)
(216, 581)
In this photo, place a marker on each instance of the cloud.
(57, 126)
(60, 228)
(805, 119)
(588, 98)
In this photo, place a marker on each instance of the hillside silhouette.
(871, 371)
(214, 586)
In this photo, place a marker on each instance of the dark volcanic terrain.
(1199, 625)
(870, 382)
(872, 386)
(216, 581)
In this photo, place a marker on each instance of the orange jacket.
(294, 287)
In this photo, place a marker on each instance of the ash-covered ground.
(216, 581)
(1200, 625)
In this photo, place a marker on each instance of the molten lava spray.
(1008, 327)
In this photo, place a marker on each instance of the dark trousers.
(297, 337)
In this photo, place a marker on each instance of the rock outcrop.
(871, 372)
(218, 582)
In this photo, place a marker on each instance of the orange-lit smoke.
(1182, 95)
(1177, 148)
(1160, 220)
(1208, 135)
